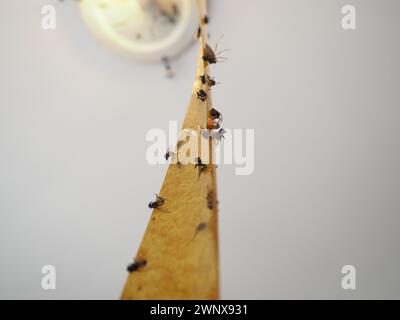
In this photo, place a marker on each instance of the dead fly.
(214, 119)
(212, 124)
(200, 227)
(218, 135)
(213, 56)
(202, 167)
(204, 20)
(199, 32)
(203, 79)
(168, 155)
(210, 199)
(211, 82)
(138, 264)
(169, 72)
(202, 95)
(159, 202)
(215, 114)
(207, 80)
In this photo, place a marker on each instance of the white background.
(324, 103)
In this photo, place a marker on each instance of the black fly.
(213, 56)
(202, 95)
(135, 266)
(206, 79)
(202, 167)
(157, 203)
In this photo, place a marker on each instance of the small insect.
(169, 71)
(159, 202)
(209, 55)
(201, 226)
(205, 19)
(205, 79)
(202, 95)
(211, 124)
(218, 135)
(214, 119)
(199, 32)
(215, 114)
(135, 266)
(210, 198)
(211, 82)
(168, 155)
(202, 167)
(213, 56)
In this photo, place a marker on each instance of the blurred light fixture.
(144, 30)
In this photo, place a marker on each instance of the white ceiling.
(324, 103)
